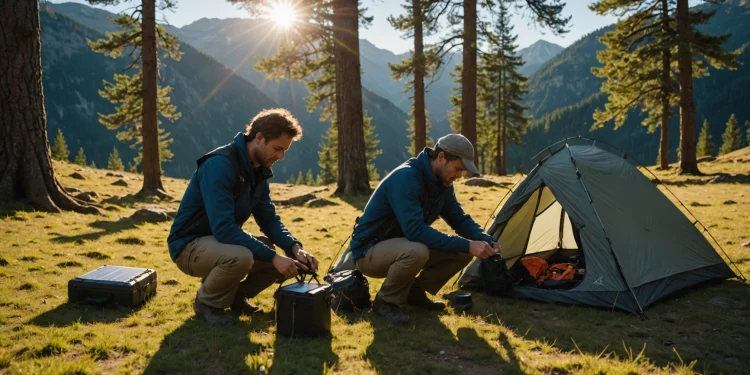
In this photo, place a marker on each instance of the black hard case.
(303, 310)
(124, 286)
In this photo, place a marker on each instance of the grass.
(702, 331)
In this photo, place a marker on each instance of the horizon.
(380, 33)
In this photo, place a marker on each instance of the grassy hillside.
(40, 332)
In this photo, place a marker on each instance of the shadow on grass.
(358, 201)
(303, 355)
(718, 178)
(427, 346)
(106, 228)
(197, 347)
(70, 313)
(706, 323)
(131, 200)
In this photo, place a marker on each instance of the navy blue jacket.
(210, 193)
(406, 203)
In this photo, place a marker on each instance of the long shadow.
(131, 200)
(197, 347)
(723, 178)
(427, 346)
(359, 201)
(706, 323)
(70, 313)
(106, 228)
(303, 355)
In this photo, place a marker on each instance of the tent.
(580, 199)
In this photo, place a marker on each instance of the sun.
(283, 14)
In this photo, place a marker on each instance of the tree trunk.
(420, 121)
(353, 178)
(688, 160)
(152, 184)
(666, 90)
(25, 165)
(469, 74)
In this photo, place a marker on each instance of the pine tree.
(309, 180)
(139, 98)
(732, 138)
(695, 47)
(705, 141)
(92, 165)
(323, 49)
(471, 31)
(328, 155)
(114, 163)
(747, 135)
(637, 66)
(60, 147)
(420, 21)
(502, 88)
(300, 179)
(80, 157)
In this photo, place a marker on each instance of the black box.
(125, 286)
(303, 309)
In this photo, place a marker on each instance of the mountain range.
(218, 91)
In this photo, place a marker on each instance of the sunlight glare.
(283, 14)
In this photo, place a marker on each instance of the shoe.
(212, 315)
(418, 297)
(392, 313)
(240, 306)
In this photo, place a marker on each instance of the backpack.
(496, 279)
(350, 289)
(537, 267)
(559, 271)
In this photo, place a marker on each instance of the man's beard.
(261, 159)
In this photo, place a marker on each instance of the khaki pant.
(399, 260)
(222, 267)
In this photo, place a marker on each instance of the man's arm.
(216, 178)
(403, 195)
(461, 222)
(270, 224)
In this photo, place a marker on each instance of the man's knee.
(242, 262)
(417, 252)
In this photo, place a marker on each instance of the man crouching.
(207, 240)
(394, 240)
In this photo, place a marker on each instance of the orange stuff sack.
(537, 267)
(559, 271)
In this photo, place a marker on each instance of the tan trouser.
(222, 267)
(399, 260)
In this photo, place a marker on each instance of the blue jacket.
(210, 193)
(406, 203)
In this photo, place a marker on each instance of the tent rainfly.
(638, 247)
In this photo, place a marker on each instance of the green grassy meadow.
(705, 330)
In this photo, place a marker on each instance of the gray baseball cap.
(460, 146)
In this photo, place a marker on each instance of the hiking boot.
(242, 307)
(212, 315)
(392, 313)
(418, 297)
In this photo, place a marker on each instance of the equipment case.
(303, 310)
(124, 286)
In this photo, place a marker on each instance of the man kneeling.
(207, 240)
(394, 240)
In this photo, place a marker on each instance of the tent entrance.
(541, 228)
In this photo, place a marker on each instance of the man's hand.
(287, 266)
(497, 247)
(307, 258)
(481, 249)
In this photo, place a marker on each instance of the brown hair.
(433, 154)
(271, 123)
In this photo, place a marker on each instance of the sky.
(381, 34)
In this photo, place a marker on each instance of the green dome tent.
(638, 246)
